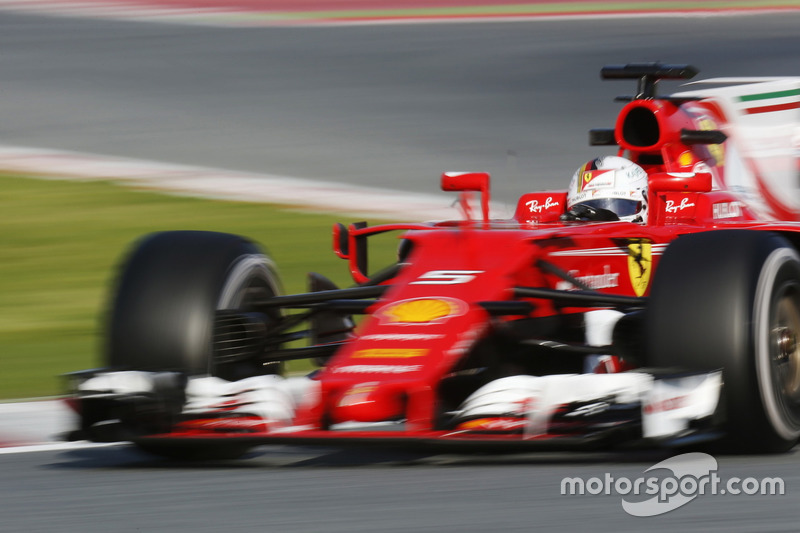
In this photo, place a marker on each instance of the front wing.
(513, 414)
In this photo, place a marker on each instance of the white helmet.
(606, 184)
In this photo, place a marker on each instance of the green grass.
(61, 244)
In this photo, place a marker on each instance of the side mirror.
(465, 181)
(469, 181)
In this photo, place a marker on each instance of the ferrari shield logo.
(640, 261)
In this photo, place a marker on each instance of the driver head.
(610, 183)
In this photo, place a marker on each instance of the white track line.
(204, 182)
(27, 423)
(56, 446)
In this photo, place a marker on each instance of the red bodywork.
(431, 318)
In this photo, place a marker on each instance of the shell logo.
(421, 311)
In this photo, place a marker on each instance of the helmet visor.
(619, 206)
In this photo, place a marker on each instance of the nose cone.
(367, 402)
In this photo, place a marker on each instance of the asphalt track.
(383, 105)
(295, 490)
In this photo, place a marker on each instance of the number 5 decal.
(446, 277)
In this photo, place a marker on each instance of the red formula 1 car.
(655, 302)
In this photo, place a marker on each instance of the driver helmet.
(611, 183)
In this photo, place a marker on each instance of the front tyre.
(169, 289)
(730, 300)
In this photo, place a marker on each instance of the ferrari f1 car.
(559, 328)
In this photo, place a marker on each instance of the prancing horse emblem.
(640, 261)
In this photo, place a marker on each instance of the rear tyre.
(730, 300)
(163, 312)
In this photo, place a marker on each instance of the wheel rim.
(250, 282)
(247, 283)
(777, 326)
(785, 351)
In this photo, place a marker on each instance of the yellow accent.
(640, 263)
(393, 353)
(685, 159)
(419, 311)
(506, 423)
(717, 151)
(472, 424)
(586, 177)
(361, 389)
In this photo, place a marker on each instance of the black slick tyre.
(730, 300)
(169, 288)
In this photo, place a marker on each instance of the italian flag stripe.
(771, 108)
(767, 96)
